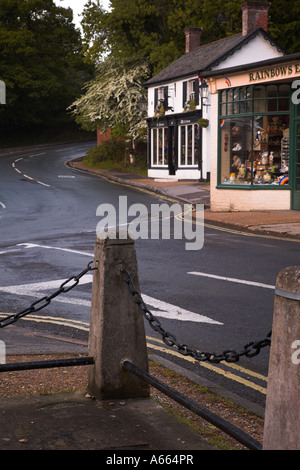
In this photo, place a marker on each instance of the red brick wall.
(102, 136)
(192, 38)
(255, 15)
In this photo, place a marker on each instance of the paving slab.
(74, 421)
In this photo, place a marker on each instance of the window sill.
(255, 187)
(188, 167)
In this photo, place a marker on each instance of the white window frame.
(184, 158)
(191, 90)
(161, 94)
(164, 163)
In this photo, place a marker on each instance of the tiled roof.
(205, 57)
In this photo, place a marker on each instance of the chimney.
(255, 15)
(192, 39)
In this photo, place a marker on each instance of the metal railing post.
(116, 327)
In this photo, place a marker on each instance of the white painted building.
(179, 96)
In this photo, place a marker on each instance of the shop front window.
(188, 145)
(254, 136)
(160, 147)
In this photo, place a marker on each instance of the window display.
(255, 148)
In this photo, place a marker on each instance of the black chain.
(251, 349)
(45, 301)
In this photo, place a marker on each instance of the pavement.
(73, 421)
(77, 421)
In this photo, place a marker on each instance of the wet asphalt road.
(47, 234)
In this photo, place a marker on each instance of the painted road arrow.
(162, 309)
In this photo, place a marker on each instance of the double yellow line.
(230, 370)
(84, 326)
(227, 372)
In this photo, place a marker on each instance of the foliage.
(112, 98)
(284, 24)
(220, 19)
(113, 154)
(44, 68)
(153, 30)
(95, 31)
(41, 62)
(203, 122)
(112, 150)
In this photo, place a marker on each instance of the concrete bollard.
(117, 325)
(282, 416)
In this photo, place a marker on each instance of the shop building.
(224, 112)
(255, 136)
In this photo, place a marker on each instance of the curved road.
(220, 297)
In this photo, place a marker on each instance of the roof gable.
(206, 57)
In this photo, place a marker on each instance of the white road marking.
(229, 279)
(36, 155)
(29, 177)
(9, 251)
(32, 245)
(35, 289)
(2, 205)
(26, 176)
(164, 309)
(43, 184)
(66, 149)
(25, 289)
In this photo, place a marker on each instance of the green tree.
(154, 29)
(223, 18)
(220, 19)
(41, 62)
(284, 23)
(151, 30)
(112, 98)
(95, 31)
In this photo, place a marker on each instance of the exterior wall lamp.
(204, 92)
(142, 105)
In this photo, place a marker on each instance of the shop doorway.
(296, 168)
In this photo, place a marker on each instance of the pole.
(117, 326)
(282, 417)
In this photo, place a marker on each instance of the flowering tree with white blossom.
(112, 98)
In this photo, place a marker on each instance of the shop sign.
(185, 121)
(275, 72)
